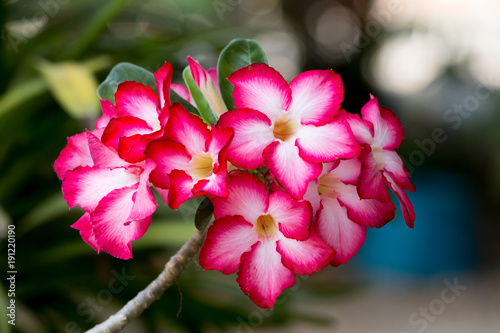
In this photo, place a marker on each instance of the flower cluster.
(294, 180)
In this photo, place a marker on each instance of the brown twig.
(155, 289)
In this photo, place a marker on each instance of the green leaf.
(122, 72)
(237, 54)
(206, 112)
(203, 214)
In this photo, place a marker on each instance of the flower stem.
(155, 289)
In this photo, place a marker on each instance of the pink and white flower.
(341, 216)
(380, 132)
(141, 115)
(190, 159)
(266, 237)
(105, 172)
(290, 128)
(115, 194)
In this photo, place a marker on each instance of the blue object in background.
(445, 234)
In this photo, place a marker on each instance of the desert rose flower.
(114, 194)
(266, 237)
(380, 132)
(289, 128)
(105, 173)
(190, 159)
(341, 216)
(141, 115)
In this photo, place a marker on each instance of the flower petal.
(252, 134)
(348, 171)
(144, 200)
(337, 231)
(218, 145)
(313, 197)
(328, 142)
(86, 186)
(305, 257)
(108, 113)
(163, 78)
(168, 155)
(212, 72)
(131, 148)
(362, 130)
(261, 88)
(316, 96)
(182, 91)
(102, 155)
(163, 193)
(113, 230)
(215, 185)
(84, 225)
(262, 276)
(227, 239)
(366, 212)
(123, 127)
(137, 100)
(289, 169)
(187, 129)
(406, 205)
(293, 217)
(181, 188)
(199, 74)
(207, 87)
(248, 197)
(76, 153)
(371, 184)
(392, 163)
(388, 131)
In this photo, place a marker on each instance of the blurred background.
(435, 63)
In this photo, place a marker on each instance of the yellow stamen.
(265, 226)
(284, 128)
(327, 186)
(201, 166)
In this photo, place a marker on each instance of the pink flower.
(190, 159)
(115, 194)
(105, 172)
(290, 128)
(341, 217)
(75, 154)
(267, 236)
(140, 116)
(380, 132)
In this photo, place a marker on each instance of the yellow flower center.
(284, 128)
(265, 226)
(379, 159)
(327, 186)
(202, 166)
